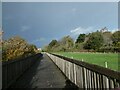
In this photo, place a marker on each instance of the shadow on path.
(25, 80)
(43, 74)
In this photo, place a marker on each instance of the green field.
(95, 58)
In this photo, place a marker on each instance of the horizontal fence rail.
(86, 75)
(13, 69)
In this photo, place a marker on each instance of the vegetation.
(116, 39)
(81, 38)
(95, 58)
(95, 41)
(65, 44)
(99, 41)
(17, 47)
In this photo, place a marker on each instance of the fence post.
(106, 65)
(69, 69)
(107, 82)
(82, 60)
(75, 74)
(72, 57)
(85, 76)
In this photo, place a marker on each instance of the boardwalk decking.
(43, 74)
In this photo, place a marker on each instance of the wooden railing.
(13, 69)
(86, 75)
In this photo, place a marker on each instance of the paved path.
(43, 74)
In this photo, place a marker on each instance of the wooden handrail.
(95, 68)
(11, 70)
(18, 59)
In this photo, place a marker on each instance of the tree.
(17, 47)
(78, 46)
(80, 38)
(52, 43)
(95, 41)
(66, 43)
(116, 38)
(107, 37)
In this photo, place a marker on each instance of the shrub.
(17, 47)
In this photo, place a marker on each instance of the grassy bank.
(95, 58)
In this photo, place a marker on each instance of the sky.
(60, 0)
(0, 14)
(41, 22)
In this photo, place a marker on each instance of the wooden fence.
(86, 75)
(13, 69)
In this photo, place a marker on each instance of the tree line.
(17, 47)
(99, 41)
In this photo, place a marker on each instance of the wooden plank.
(87, 75)
(105, 71)
(14, 68)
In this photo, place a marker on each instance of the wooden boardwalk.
(43, 74)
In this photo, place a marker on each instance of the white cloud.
(24, 28)
(81, 30)
(114, 30)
